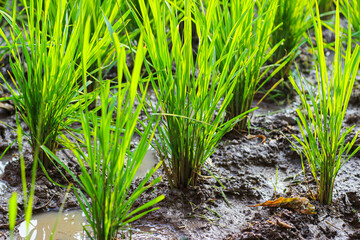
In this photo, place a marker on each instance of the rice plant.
(45, 68)
(254, 20)
(294, 18)
(108, 166)
(321, 116)
(192, 95)
(351, 10)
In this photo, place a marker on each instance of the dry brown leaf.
(299, 204)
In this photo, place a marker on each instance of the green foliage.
(321, 117)
(191, 93)
(351, 10)
(46, 55)
(134, 5)
(295, 19)
(324, 7)
(108, 166)
(253, 22)
(3, 24)
(117, 14)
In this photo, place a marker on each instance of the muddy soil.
(244, 164)
(247, 168)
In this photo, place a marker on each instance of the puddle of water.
(69, 227)
(148, 163)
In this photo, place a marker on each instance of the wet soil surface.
(246, 166)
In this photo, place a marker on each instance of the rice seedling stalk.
(45, 68)
(192, 94)
(253, 21)
(108, 167)
(12, 213)
(28, 194)
(351, 10)
(294, 19)
(321, 117)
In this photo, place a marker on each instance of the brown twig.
(345, 230)
(3, 234)
(257, 136)
(37, 208)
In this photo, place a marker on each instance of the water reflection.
(69, 227)
(148, 163)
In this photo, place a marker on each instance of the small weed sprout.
(321, 117)
(276, 181)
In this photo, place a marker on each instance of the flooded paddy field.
(255, 184)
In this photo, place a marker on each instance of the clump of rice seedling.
(294, 18)
(45, 68)
(321, 117)
(351, 10)
(254, 20)
(108, 166)
(192, 94)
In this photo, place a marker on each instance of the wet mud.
(247, 169)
